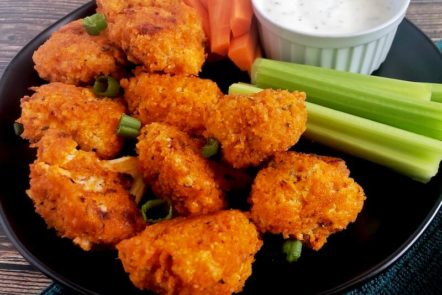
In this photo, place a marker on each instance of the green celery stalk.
(243, 88)
(436, 92)
(406, 152)
(394, 87)
(371, 100)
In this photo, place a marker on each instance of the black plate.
(396, 212)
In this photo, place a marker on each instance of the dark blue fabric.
(439, 44)
(53, 289)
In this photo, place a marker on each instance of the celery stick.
(394, 87)
(411, 154)
(408, 153)
(243, 88)
(436, 92)
(401, 163)
(352, 96)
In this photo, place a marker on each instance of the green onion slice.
(106, 86)
(211, 148)
(128, 126)
(95, 24)
(18, 128)
(156, 204)
(292, 249)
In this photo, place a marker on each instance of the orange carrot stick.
(219, 21)
(204, 3)
(241, 18)
(243, 49)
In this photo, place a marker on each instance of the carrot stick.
(241, 18)
(219, 21)
(204, 3)
(243, 49)
(202, 11)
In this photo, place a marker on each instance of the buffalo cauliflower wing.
(251, 128)
(176, 100)
(91, 121)
(73, 56)
(174, 167)
(210, 254)
(77, 197)
(306, 197)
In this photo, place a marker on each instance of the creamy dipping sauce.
(330, 16)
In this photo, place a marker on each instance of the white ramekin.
(361, 52)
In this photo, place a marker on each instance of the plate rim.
(396, 255)
(351, 283)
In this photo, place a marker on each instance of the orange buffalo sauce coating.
(306, 197)
(210, 254)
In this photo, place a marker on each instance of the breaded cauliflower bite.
(73, 56)
(77, 197)
(306, 197)
(210, 254)
(251, 128)
(165, 38)
(178, 100)
(91, 121)
(172, 164)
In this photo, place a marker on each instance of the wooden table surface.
(22, 20)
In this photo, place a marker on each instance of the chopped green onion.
(95, 24)
(408, 153)
(128, 126)
(130, 122)
(128, 132)
(152, 204)
(292, 249)
(379, 99)
(18, 128)
(106, 86)
(211, 148)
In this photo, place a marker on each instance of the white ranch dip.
(329, 16)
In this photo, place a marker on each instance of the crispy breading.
(91, 121)
(211, 254)
(176, 100)
(173, 165)
(162, 38)
(251, 128)
(73, 56)
(306, 197)
(77, 197)
(110, 8)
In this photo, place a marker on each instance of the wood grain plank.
(427, 15)
(20, 21)
(22, 282)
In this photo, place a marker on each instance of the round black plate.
(396, 212)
